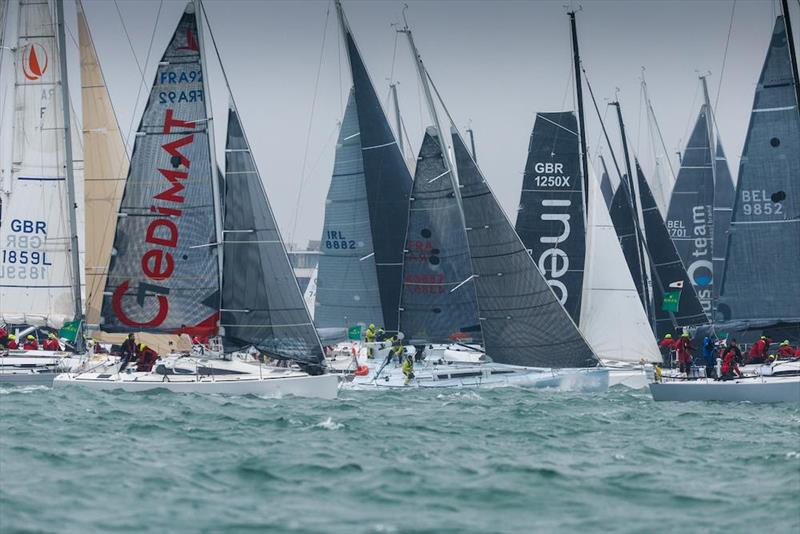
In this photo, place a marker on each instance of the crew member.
(30, 343)
(730, 367)
(710, 353)
(51, 343)
(12, 342)
(785, 350)
(683, 347)
(3, 337)
(146, 358)
(128, 352)
(760, 350)
(369, 337)
(381, 334)
(408, 369)
(666, 346)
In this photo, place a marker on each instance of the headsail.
(605, 185)
(760, 283)
(261, 300)
(724, 194)
(105, 169)
(521, 319)
(164, 273)
(347, 282)
(550, 220)
(438, 301)
(622, 216)
(36, 273)
(388, 183)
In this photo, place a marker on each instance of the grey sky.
(496, 64)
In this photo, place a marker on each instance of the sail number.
(170, 97)
(552, 176)
(335, 239)
(428, 284)
(22, 257)
(758, 202)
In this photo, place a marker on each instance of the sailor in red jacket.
(729, 365)
(12, 342)
(684, 347)
(666, 346)
(3, 337)
(30, 343)
(51, 343)
(759, 350)
(785, 350)
(147, 357)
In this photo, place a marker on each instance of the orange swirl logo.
(33, 66)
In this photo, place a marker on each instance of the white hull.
(756, 389)
(40, 367)
(630, 378)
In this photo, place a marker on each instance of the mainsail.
(164, 273)
(261, 302)
(387, 180)
(550, 220)
(36, 272)
(724, 194)
(761, 284)
(522, 321)
(605, 185)
(105, 169)
(347, 282)
(438, 301)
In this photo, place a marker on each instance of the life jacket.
(729, 362)
(30, 345)
(51, 344)
(785, 351)
(12, 344)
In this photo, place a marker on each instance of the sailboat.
(169, 231)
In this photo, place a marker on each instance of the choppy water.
(456, 461)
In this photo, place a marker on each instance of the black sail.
(724, 193)
(622, 217)
(550, 220)
(669, 275)
(439, 301)
(388, 184)
(605, 184)
(761, 284)
(521, 319)
(261, 301)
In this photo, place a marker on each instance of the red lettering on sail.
(116, 302)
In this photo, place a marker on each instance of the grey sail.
(261, 302)
(438, 301)
(163, 274)
(622, 218)
(724, 193)
(521, 319)
(761, 285)
(605, 184)
(550, 220)
(670, 281)
(347, 282)
(388, 185)
(690, 214)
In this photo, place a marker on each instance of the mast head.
(190, 9)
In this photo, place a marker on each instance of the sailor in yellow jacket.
(369, 337)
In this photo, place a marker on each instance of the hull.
(39, 368)
(28, 379)
(758, 389)
(630, 378)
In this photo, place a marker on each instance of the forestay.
(36, 274)
(550, 220)
(261, 300)
(521, 319)
(164, 274)
(347, 285)
(761, 282)
(438, 301)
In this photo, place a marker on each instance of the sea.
(449, 461)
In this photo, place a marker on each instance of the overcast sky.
(496, 63)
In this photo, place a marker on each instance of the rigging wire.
(724, 61)
(339, 61)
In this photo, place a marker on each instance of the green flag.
(671, 301)
(70, 331)
(354, 332)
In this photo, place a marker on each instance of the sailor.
(760, 350)
(709, 353)
(667, 346)
(30, 343)
(397, 348)
(381, 334)
(146, 358)
(3, 337)
(51, 343)
(683, 348)
(12, 342)
(785, 350)
(730, 367)
(128, 352)
(369, 337)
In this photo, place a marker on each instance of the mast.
(393, 87)
(581, 120)
(472, 144)
(792, 52)
(72, 205)
(198, 9)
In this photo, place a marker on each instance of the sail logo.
(162, 235)
(191, 41)
(558, 263)
(700, 269)
(34, 61)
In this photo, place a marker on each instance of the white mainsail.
(36, 273)
(612, 317)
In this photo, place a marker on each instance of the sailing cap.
(141, 346)
(30, 337)
(12, 336)
(668, 336)
(763, 337)
(785, 342)
(51, 335)
(371, 326)
(685, 334)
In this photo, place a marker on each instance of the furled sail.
(690, 214)
(164, 273)
(105, 169)
(438, 300)
(674, 298)
(36, 274)
(622, 216)
(612, 317)
(550, 220)
(522, 321)
(347, 282)
(761, 284)
(387, 180)
(605, 185)
(262, 304)
(724, 194)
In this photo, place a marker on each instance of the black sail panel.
(550, 220)
(605, 184)
(388, 184)
(163, 275)
(690, 214)
(621, 213)
(521, 319)
(724, 193)
(261, 301)
(760, 283)
(670, 281)
(439, 301)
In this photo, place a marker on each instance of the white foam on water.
(329, 424)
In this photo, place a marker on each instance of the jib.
(28, 227)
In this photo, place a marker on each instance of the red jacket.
(30, 345)
(51, 344)
(668, 344)
(12, 344)
(682, 347)
(3, 332)
(785, 351)
(146, 359)
(760, 348)
(729, 362)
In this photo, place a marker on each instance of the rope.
(310, 124)
(724, 59)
